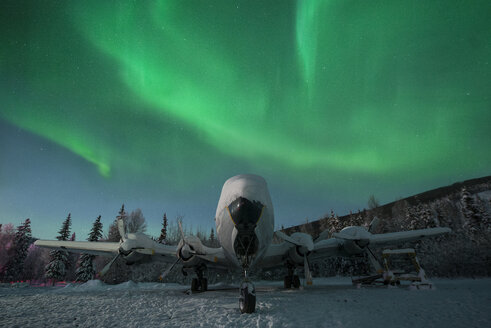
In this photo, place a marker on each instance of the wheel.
(296, 281)
(195, 285)
(204, 285)
(287, 282)
(247, 300)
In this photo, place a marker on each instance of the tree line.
(21, 260)
(463, 252)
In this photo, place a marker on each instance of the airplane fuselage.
(245, 220)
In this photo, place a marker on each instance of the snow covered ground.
(330, 302)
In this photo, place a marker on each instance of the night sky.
(156, 103)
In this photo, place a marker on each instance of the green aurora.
(303, 92)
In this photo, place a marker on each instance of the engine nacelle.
(186, 250)
(132, 257)
(296, 254)
(356, 239)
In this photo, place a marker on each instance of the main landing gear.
(199, 284)
(291, 279)
(247, 299)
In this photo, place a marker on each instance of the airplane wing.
(94, 248)
(350, 241)
(392, 238)
(137, 243)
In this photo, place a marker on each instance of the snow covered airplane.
(245, 228)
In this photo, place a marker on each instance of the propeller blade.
(180, 230)
(373, 260)
(121, 229)
(108, 266)
(308, 274)
(373, 225)
(287, 238)
(169, 269)
(305, 241)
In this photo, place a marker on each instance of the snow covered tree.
(96, 231)
(424, 217)
(36, 260)
(485, 215)
(336, 224)
(13, 269)
(472, 215)
(135, 222)
(86, 271)
(163, 232)
(56, 269)
(411, 220)
(212, 236)
(6, 245)
(373, 202)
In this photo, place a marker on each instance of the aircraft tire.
(247, 301)
(204, 285)
(287, 282)
(296, 281)
(195, 285)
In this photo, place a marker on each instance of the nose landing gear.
(247, 299)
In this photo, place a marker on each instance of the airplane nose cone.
(245, 213)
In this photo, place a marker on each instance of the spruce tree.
(336, 224)
(485, 216)
(411, 220)
(212, 237)
(13, 270)
(426, 217)
(471, 213)
(86, 271)
(163, 232)
(56, 269)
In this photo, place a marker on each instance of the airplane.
(245, 228)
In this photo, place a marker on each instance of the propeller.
(185, 247)
(361, 237)
(123, 235)
(306, 245)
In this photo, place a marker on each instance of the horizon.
(172, 222)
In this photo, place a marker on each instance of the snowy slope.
(331, 302)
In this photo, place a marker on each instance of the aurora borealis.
(156, 103)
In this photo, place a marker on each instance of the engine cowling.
(356, 239)
(304, 245)
(131, 256)
(188, 248)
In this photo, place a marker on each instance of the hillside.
(385, 212)
(465, 207)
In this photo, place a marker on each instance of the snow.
(330, 302)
